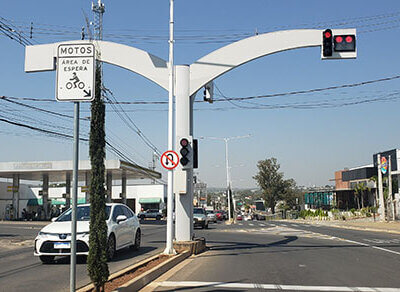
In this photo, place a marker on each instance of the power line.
(130, 123)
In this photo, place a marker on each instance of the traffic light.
(344, 43)
(327, 43)
(185, 151)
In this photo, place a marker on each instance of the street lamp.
(228, 177)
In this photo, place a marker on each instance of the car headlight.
(44, 233)
(201, 218)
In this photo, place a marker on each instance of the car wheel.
(206, 227)
(111, 247)
(158, 218)
(47, 259)
(138, 238)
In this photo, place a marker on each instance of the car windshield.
(82, 214)
(210, 212)
(198, 211)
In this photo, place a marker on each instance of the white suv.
(55, 238)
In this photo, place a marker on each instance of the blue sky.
(310, 144)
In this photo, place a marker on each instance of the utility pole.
(228, 177)
(169, 249)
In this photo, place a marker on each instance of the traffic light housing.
(195, 154)
(344, 43)
(185, 151)
(327, 45)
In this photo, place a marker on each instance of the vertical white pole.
(390, 201)
(380, 191)
(228, 185)
(74, 198)
(184, 201)
(170, 192)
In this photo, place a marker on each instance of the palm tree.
(359, 190)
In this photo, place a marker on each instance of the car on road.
(211, 216)
(221, 215)
(200, 218)
(150, 213)
(123, 230)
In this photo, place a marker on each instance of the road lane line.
(372, 246)
(251, 224)
(195, 284)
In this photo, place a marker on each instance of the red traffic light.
(184, 142)
(327, 43)
(338, 39)
(344, 43)
(349, 39)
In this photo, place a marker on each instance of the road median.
(138, 275)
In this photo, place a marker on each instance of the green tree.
(359, 190)
(97, 259)
(272, 183)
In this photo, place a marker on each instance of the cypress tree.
(97, 259)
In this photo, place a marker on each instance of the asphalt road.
(21, 271)
(260, 255)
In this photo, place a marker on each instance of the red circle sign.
(169, 159)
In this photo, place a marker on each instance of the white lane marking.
(283, 225)
(251, 224)
(240, 224)
(271, 286)
(295, 225)
(372, 246)
(381, 241)
(260, 224)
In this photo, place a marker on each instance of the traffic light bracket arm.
(233, 55)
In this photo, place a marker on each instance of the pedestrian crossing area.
(278, 228)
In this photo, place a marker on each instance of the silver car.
(200, 218)
(211, 216)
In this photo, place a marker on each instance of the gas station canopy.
(57, 171)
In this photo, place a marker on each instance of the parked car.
(200, 218)
(123, 230)
(150, 213)
(211, 216)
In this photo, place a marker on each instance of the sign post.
(75, 82)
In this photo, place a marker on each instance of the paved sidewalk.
(358, 224)
(33, 223)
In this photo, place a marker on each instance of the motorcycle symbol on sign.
(76, 82)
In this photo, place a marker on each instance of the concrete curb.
(149, 276)
(348, 227)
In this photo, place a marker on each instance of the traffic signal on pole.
(344, 43)
(185, 151)
(327, 43)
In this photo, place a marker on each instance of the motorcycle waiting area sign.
(75, 72)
